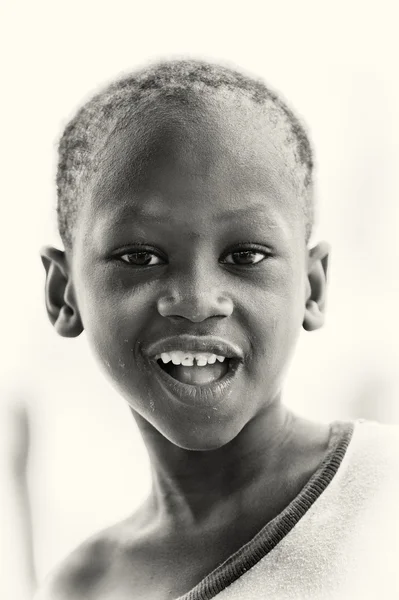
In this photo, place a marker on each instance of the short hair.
(174, 79)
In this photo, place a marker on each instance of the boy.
(185, 204)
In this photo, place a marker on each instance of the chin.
(202, 438)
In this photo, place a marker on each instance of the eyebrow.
(245, 210)
(161, 217)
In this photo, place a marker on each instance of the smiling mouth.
(205, 385)
(197, 375)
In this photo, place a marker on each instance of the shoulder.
(376, 440)
(104, 565)
(83, 573)
(372, 457)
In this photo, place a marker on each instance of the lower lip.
(207, 396)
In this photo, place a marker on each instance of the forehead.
(212, 158)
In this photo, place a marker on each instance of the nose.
(197, 309)
(195, 300)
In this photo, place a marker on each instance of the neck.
(193, 487)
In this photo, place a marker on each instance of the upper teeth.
(187, 358)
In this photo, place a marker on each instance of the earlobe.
(61, 305)
(316, 287)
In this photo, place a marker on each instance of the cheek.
(279, 310)
(114, 315)
(278, 326)
(287, 326)
(109, 299)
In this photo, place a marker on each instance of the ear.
(316, 286)
(61, 305)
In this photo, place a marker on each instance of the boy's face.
(192, 225)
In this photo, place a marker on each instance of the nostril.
(195, 308)
(175, 318)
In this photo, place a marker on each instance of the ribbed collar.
(274, 531)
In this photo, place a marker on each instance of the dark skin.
(211, 189)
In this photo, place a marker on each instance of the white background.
(336, 63)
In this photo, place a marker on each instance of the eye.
(246, 257)
(141, 258)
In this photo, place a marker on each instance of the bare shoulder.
(84, 573)
(117, 564)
